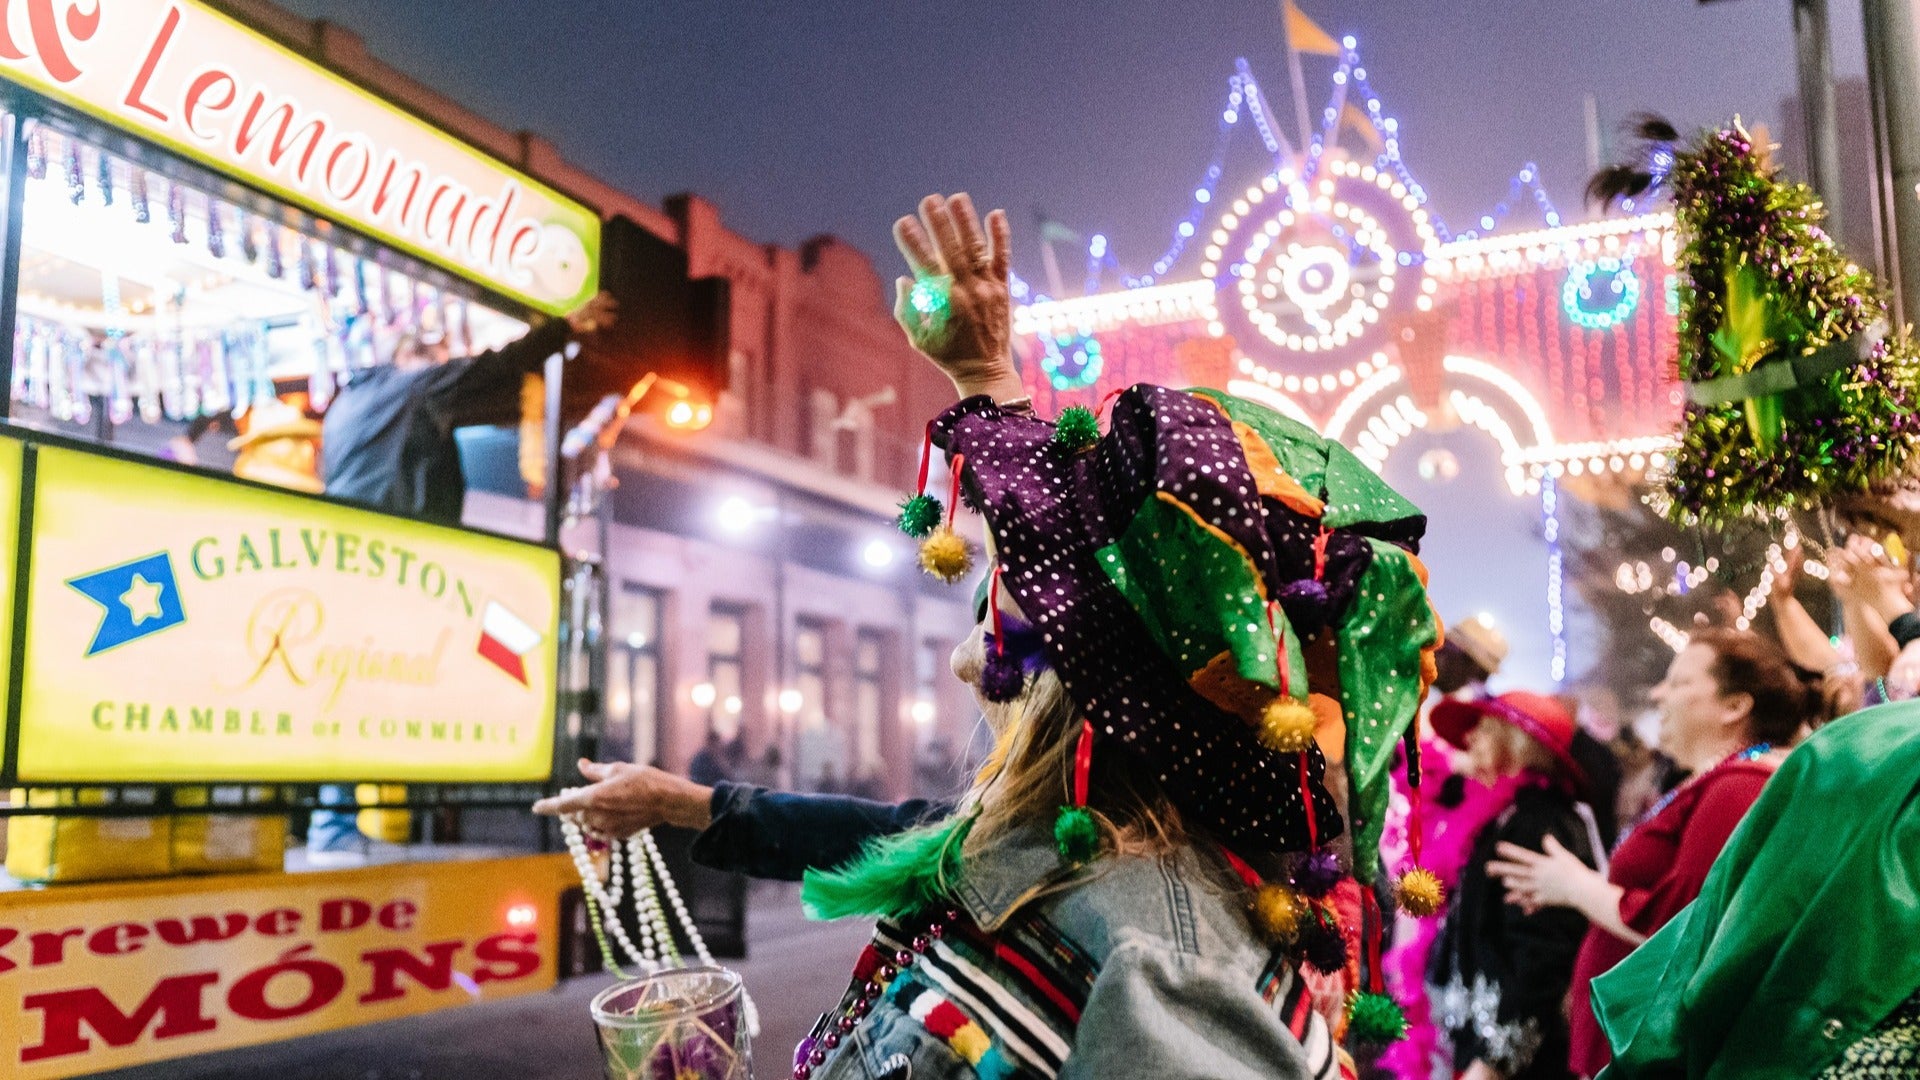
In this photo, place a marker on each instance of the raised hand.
(957, 308)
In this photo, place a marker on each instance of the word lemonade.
(210, 88)
(275, 637)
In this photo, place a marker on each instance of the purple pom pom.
(1318, 873)
(1306, 604)
(1003, 678)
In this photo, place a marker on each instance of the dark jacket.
(777, 834)
(387, 440)
(1498, 976)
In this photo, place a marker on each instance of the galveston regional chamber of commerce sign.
(185, 628)
(196, 81)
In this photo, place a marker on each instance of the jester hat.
(1203, 569)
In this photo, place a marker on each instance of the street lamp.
(878, 554)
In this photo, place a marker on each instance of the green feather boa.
(893, 877)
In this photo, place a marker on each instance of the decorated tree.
(1647, 581)
(1797, 394)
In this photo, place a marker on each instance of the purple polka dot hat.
(1225, 594)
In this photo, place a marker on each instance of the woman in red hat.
(1730, 704)
(1500, 971)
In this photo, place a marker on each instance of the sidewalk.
(797, 969)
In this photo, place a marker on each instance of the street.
(795, 971)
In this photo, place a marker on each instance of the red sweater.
(1661, 866)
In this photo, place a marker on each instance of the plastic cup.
(675, 1024)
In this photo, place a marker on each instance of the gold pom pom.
(1287, 725)
(944, 555)
(1420, 892)
(1278, 911)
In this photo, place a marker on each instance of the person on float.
(1122, 891)
(1795, 962)
(387, 439)
(1499, 972)
(1730, 705)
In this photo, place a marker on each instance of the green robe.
(1807, 931)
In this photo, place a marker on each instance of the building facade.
(759, 590)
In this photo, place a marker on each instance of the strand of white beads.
(575, 836)
(646, 872)
(693, 932)
(654, 935)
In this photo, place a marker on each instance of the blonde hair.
(1029, 776)
(1516, 751)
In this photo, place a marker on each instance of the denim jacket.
(1132, 967)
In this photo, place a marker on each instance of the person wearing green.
(1798, 960)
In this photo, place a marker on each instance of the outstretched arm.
(744, 829)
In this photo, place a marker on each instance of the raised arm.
(957, 307)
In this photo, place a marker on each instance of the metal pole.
(1813, 54)
(1893, 78)
(12, 227)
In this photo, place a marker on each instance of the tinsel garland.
(1835, 436)
(76, 176)
(177, 212)
(37, 154)
(216, 230)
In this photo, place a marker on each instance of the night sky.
(805, 118)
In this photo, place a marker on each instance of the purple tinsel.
(690, 1051)
(1318, 873)
(1307, 606)
(1002, 679)
(1015, 653)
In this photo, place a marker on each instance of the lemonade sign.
(181, 628)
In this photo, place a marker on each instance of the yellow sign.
(97, 977)
(182, 628)
(12, 453)
(210, 88)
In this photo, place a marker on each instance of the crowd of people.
(1222, 759)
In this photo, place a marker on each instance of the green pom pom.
(1375, 1018)
(1077, 428)
(919, 515)
(1076, 834)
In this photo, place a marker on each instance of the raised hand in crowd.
(957, 308)
(1872, 591)
(1805, 640)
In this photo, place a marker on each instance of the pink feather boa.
(1447, 835)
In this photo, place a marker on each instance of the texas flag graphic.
(139, 598)
(505, 640)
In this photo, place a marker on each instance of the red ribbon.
(953, 487)
(1413, 824)
(1320, 554)
(993, 601)
(1108, 400)
(1279, 648)
(1082, 763)
(1370, 929)
(926, 460)
(1240, 867)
